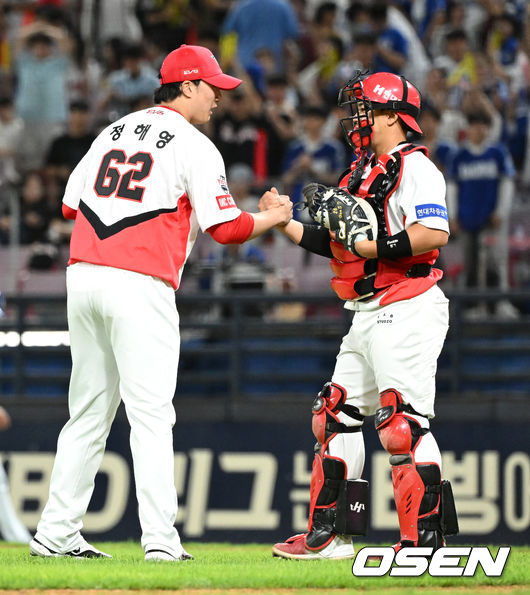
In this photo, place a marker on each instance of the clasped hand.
(272, 199)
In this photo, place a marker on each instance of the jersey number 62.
(109, 179)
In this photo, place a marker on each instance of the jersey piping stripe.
(104, 231)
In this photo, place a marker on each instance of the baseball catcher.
(381, 228)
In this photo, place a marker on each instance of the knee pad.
(330, 401)
(329, 475)
(398, 433)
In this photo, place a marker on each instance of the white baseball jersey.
(396, 345)
(420, 196)
(143, 190)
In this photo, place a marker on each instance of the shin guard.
(417, 486)
(329, 473)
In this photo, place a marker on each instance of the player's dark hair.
(479, 117)
(134, 51)
(356, 8)
(365, 39)
(429, 108)
(277, 80)
(323, 9)
(169, 91)
(379, 11)
(38, 37)
(456, 35)
(318, 111)
(79, 105)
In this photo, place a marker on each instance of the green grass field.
(221, 568)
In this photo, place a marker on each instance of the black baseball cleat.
(36, 548)
(163, 556)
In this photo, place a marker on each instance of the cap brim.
(223, 81)
(410, 122)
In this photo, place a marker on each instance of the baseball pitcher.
(140, 195)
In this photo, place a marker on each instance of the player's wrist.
(365, 248)
(396, 246)
(281, 217)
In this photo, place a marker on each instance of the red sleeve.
(236, 231)
(68, 212)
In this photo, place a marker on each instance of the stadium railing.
(248, 355)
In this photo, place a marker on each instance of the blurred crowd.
(70, 67)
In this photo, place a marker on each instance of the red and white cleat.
(340, 548)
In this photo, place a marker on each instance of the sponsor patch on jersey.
(225, 201)
(431, 210)
(221, 180)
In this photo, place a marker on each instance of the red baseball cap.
(193, 62)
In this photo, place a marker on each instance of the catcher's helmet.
(382, 90)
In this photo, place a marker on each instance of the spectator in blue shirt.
(479, 199)
(441, 151)
(392, 46)
(125, 86)
(41, 64)
(427, 15)
(261, 24)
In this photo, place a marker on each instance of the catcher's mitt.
(351, 218)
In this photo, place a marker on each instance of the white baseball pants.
(395, 346)
(125, 342)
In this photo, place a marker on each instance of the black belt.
(421, 269)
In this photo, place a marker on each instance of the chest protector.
(361, 279)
